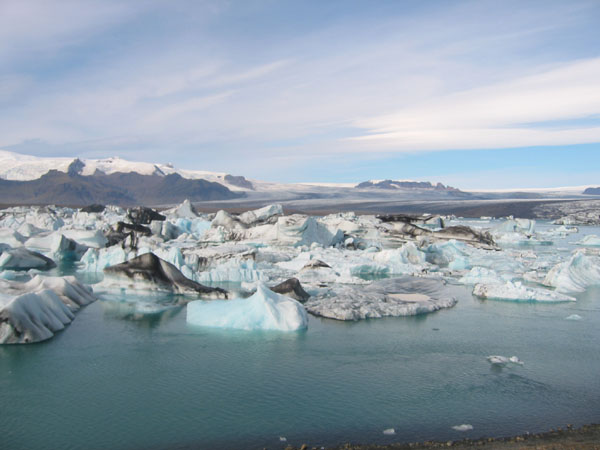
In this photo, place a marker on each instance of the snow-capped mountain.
(18, 167)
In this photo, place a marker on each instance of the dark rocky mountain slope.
(123, 189)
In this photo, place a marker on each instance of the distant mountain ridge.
(592, 191)
(124, 189)
(398, 184)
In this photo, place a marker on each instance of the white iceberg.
(34, 311)
(591, 240)
(56, 246)
(23, 259)
(574, 317)
(11, 237)
(184, 210)
(576, 274)
(517, 292)
(463, 427)
(452, 254)
(262, 214)
(88, 238)
(265, 310)
(483, 275)
(231, 271)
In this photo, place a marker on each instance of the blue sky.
(476, 94)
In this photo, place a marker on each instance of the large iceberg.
(34, 311)
(265, 310)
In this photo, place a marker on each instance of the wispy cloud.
(499, 115)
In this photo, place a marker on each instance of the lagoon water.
(109, 381)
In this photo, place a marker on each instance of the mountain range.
(78, 182)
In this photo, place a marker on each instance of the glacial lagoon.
(113, 379)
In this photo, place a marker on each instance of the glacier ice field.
(243, 329)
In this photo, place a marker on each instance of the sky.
(475, 94)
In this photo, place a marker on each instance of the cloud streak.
(497, 116)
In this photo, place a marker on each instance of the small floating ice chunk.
(574, 317)
(463, 427)
(501, 361)
(515, 360)
(282, 439)
(389, 432)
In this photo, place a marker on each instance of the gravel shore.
(587, 437)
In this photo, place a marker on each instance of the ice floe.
(404, 296)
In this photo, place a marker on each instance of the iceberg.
(56, 245)
(23, 259)
(299, 231)
(149, 272)
(195, 227)
(395, 297)
(231, 271)
(184, 210)
(515, 291)
(265, 310)
(262, 214)
(574, 275)
(34, 311)
(452, 254)
(88, 238)
(33, 317)
(591, 240)
(525, 226)
(483, 275)
(11, 237)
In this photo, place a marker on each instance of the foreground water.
(109, 381)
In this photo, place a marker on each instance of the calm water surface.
(111, 382)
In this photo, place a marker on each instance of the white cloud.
(509, 114)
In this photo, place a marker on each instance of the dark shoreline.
(585, 437)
